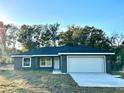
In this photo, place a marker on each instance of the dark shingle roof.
(63, 49)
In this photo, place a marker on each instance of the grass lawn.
(44, 82)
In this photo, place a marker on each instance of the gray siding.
(17, 63)
(33, 60)
(35, 64)
(43, 68)
(63, 63)
(108, 64)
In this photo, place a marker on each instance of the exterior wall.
(17, 63)
(43, 68)
(63, 63)
(59, 63)
(35, 64)
(108, 64)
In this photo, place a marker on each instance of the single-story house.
(65, 59)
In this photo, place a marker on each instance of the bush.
(5, 60)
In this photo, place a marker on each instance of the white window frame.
(46, 61)
(23, 62)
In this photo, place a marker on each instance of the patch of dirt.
(44, 82)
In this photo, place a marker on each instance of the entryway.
(56, 69)
(56, 63)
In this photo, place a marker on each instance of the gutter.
(64, 54)
(87, 53)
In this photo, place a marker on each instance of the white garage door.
(85, 64)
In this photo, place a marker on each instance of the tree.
(43, 36)
(34, 36)
(25, 37)
(2, 39)
(97, 38)
(7, 41)
(117, 39)
(8, 35)
(89, 36)
(11, 35)
(122, 42)
(118, 58)
(117, 43)
(65, 38)
(53, 28)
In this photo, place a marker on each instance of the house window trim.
(46, 65)
(23, 62)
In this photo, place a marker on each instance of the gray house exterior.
(65, 59)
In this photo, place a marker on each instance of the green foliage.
(89, 36)
(118, 58)
(25, 36)
(41, 35)
(118, 46)
(53, 28)
(38, 35)
(117, 39)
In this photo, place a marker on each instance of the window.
(26, 62)
(46, 62)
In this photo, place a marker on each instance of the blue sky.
(104, 14)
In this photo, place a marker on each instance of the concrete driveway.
(97, 80)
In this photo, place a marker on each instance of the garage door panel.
(85, 64)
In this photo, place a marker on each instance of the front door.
(56, 63)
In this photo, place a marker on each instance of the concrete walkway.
(97, 80)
